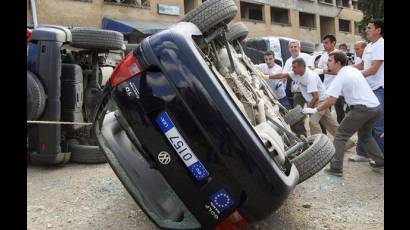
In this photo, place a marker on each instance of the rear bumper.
(145, 183)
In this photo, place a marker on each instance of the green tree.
(371, 9)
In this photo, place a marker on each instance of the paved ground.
(92, 197)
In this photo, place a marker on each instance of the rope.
(59, 123)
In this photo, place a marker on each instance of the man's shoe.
(375, 165)
(334, 172)
(358, 158)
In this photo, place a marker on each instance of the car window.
(260, 45)
(274, 45)
(251, 43)
(284, 44)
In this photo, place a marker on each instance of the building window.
(344, 25)
(355, 5)
(279, 15)
(251, 11)
(188, 5)
(307, 20)
(131, 3)
(326, 1)
(343, 3)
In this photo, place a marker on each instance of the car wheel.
(294, 115)
(36, 97)
(315, 157)
(237, 31)
(211, 13)
(90, 38)
(87, 154)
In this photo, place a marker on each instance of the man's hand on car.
(309, 110)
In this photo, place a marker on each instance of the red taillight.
(28, 35)
(42, 147)
(233, 222)
(127, 68)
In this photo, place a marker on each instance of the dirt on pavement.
(78, 196)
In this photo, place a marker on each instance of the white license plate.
(183, 150)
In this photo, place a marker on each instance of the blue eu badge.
(198, 170)
(221, 200)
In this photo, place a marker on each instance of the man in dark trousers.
(364, 111)
(329, 43)
(372, 68)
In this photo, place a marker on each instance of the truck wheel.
(315, 157)
(36, 97)
(90, 38)
(211, 13)
(237, 31)
(87, 154)
(294, 115)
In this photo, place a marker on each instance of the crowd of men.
(352, 84)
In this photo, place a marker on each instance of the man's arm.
(278, 76)
(315, 98)
(359, 66)
(373, 68)
(329, 102)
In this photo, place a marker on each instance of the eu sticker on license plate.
(196, 168)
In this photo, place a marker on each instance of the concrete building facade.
(306, 20)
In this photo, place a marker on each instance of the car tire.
(294, 115)
(90, 38)
(211, 13)
(86, 154)
(237, 31)
(36, 97)
(315, 157)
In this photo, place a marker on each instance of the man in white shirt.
(359, 47)
(297, 98)
(313, 91)
(329, 43)
(294, 49)
(364, 112)
(278, 86)
(373, 70)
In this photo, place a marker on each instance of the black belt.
(357, 106)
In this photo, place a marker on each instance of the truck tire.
(90, 38)
(294, 115)
(237, 31)
(211, 13)
(36, 97)
(315, 157)
(87, 154)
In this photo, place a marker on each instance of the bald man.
(359, 47)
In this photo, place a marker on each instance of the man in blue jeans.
(373, 70)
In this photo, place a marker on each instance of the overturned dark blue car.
(195, 134)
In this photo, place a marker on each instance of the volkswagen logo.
(164, 158)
